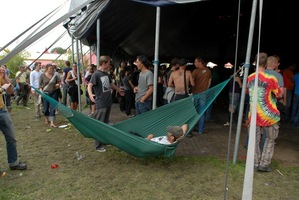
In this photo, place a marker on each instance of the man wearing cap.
(180, 80)
(173, 134)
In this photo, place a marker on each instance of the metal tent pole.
(78, 75)
(156, 60)
(246, 66)
(98, 41)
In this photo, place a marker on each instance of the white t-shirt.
(34, 78)
(161, 140)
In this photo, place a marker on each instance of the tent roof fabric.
(130, 26)
(206, 28)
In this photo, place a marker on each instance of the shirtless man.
(180, 80)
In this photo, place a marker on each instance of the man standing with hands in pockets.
(144, 90)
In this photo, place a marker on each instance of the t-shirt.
(102, 89)
(277, 75)
(34, 78)
(201, 77)
(126, 83)
(145, 80)
(66, 71)
(267, 112)
(161, 140)
(22, 77)
(288, 76)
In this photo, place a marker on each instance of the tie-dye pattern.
(268, 90)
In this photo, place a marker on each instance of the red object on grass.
(53, 166)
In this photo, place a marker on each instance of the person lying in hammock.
(174, 133)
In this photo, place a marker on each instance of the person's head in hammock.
(174, 133)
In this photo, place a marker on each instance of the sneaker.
(20, 166)
(226, 124)
(264, 169)
(101, 149)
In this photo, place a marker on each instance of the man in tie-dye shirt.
(267, 116)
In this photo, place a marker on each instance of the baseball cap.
(176, 131)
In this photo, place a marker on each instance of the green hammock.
(154, 121)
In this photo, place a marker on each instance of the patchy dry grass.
(117, 175)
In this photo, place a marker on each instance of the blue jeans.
(143, 107)
(6, 126)
(201, 123)
(295, 111)
(49, 110)
(201, 104)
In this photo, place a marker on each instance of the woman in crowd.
(50, 84)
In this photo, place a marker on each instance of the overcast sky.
(17, 16)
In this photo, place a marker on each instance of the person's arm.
(170, 81)
(6, 81)
(192, 83)
(119, 90)
(148, 93)
(6, 88)
(131, 84)
(284, 96)
(89, 90)
(63, 77)
(149, 137)
(209, 84)
(68, 77)
(238, 79)
(185, 128)
(31, 78)
(6, 85)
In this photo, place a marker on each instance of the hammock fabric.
(155, 121)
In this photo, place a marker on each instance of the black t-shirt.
(102, 89)
(66, 71)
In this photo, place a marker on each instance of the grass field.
(83, 173)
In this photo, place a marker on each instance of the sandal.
(54, 126)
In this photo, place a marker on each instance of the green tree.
(58, 50)
(16, 61)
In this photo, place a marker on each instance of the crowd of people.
(131, 84)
